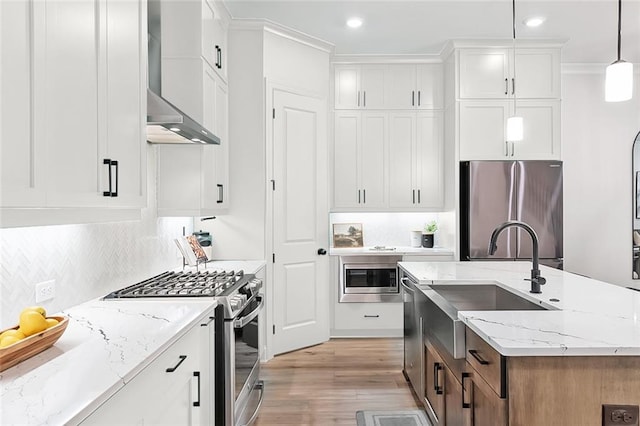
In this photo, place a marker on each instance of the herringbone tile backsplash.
(86, 261)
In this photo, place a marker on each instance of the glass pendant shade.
(515, 129)
(618, 84)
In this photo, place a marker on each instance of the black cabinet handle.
(513, 86)
(474, 353)
(465, 404)
(218, 57)
(436, 378)
(322, 251)
(414, 195)
(506, 86)
(418, 196)
(108, 163)
(413, 98)
(115, 163)
(364, 98)
(372, 316)
(364, 196)
(418, 98)
(197, 374)
(110, 192)
(358, 196)
(172, 369)
(220, 194)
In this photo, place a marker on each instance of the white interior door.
(300, 299)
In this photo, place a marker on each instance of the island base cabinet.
(171, 390)
(570, 390)
(482, 406)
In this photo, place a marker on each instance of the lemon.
(13, 332)
(32, 322)
(51, 322)
(8, 340)
(38, 309)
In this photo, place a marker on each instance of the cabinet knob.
(322, 251)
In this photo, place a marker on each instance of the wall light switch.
(45, 290)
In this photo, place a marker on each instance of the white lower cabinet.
(368, 319)
(175, 389)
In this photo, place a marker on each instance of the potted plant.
(427, 234)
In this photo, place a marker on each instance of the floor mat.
(392, 418)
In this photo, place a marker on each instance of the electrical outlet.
(45, 290)
(620, 415)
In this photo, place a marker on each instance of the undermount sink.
(445, 300)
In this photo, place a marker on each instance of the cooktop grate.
(182, 284)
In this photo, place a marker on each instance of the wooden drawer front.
(491, 366)
(368, 316)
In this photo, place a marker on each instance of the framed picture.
(347, 235)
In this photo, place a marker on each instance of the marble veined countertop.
(106, 343)
(589, 318)
(393, 250)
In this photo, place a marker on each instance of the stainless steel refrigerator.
(493, 192)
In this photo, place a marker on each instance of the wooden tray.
(32, 345)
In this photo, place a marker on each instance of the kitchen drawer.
(368, 316)
(487, 362)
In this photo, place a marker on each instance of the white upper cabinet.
(489, 73)
(415, 86)
(22, 180)
(360, 86)
(194, 28)
(203, 190)
(359, 160)
(79, 105)
(193, 78)
(416, 160)
(483, 130)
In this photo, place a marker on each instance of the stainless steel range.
(238, 390)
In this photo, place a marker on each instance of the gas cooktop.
(185, 284)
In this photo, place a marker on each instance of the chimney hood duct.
(165, 122)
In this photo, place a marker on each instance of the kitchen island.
(106, 345)
(560, 365)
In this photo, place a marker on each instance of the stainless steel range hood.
(165, 122)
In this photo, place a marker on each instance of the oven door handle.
(242, 321)
(404, 285)
(259, 386)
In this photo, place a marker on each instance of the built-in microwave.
(369, 278)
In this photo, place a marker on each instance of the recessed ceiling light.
(196, 140)
(174, 129)
(534, 21)
(354, 23)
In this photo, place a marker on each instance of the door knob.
(322, 251)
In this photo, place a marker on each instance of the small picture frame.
(347, 235)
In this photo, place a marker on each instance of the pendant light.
(515, 124)
(618, 85)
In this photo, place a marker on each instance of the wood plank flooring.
(326, 384)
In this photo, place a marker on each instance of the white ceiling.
(424, 26)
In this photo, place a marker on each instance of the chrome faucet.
(536, 279)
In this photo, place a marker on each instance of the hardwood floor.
(328, 383)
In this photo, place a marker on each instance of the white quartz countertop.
(106, 343)
(394, 250)
(590, 317)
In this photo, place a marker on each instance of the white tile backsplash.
(86, 261)
(393, 229)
